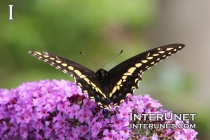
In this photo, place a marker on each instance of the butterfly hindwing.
(126, 75)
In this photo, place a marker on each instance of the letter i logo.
(11, 12)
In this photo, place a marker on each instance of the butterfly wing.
(125, 76)
(84, 77)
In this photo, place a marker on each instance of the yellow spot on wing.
(65, 71)
(149, 58)
(99, 103)
(122, 101)
(97, 89)
(92, 98)
(105, 106)
(155, 54)
(144, 61)
(133, 87)
(93, 85)
(138, 64)
(58, 61)
(46, 55)
(131, 70)
(70, 67)
(124, 77)
(79, 84)
(87, 80)
(52, 58)
(64, 64)
(82, 76)
(78, 72)
(161, 51)
(128, 94)
(113, 91)
(127, 74)
(119, 82)
(38, 53)
(168, 49)
(137, 79)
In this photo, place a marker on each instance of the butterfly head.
(102, 75)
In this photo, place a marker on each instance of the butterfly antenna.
(112, 58)
(89, 59)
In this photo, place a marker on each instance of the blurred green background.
(101, 29)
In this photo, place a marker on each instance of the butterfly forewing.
(126, 75)
(67, 66)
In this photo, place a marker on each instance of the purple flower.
(85, 115)
(59, 110)
(109, 135)
(95, 128)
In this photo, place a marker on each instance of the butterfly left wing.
(125, 76)
(84, 77)
(68, 66)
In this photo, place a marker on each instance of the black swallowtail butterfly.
(114, 85)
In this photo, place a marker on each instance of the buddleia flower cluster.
(49, 110)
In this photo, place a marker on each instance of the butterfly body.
(105, 87)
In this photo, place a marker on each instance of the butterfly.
(113, 86)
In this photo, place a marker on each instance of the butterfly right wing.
(126, 75)
(84, 77)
